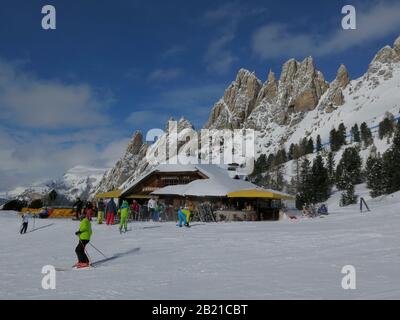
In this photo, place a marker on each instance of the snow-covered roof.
(166, 168)
(218, 184)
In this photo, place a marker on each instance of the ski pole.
(98, 250)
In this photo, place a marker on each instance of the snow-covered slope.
(289, 259)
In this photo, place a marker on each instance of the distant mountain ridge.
(76, 182)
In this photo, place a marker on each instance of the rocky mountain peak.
(269, 90)
(183, 123)
(382, 65)
(342, 77)
(386, 55)
(396, 45)
(135, 144)
(301, 85)
(271, 77)
(335, 97)
(237, 103)
(289, 70)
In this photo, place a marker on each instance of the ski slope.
(289, 259)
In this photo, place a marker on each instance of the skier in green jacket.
(84, 233)
(125, 211)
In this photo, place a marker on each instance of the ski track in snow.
(290, 259)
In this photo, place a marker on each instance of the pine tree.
(320, 181)
(319, 144)
(386, 127)
(342, 134)
(260, 165)
(391, 164)
(355, 133)
(270, 161)
(305, 182)
(291, 152)
(277, 181)
(303, 147)
(349, 167)
(375, 174)
(280, 157)
(310, 146)
(330, 166)
(348, 196)
(366, 135)
(333, 140)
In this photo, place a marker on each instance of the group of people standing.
(108, 211)
(311, 210)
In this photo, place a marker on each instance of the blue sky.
(76, 94)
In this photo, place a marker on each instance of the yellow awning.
(109, 195)
(259, 193)
(138, 196)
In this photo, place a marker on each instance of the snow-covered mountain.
(76, 182)
(301, 103)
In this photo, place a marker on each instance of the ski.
(74, 268)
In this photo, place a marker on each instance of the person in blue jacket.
(323, 210)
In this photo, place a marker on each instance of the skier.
(111, 210)
(79, 205)
(125, 211)
(25, 220)
(44, 214)
(152, 205)
(135, 210)
(100, 214)
(323, 210)
(84, 233)
(184, 216)
(89, 211)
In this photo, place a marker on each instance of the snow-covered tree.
(320, 181)
(305, 188)
(391, 164)
(366, 135)
(349, 167)
(330, 166)
(348, 196)
(355, 133)
(375, 175)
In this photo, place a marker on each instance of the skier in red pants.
(111, 210)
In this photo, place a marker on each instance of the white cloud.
(163, 75)
(73, 128)
(32, 102)
(173, 51)
(278, 40)
(142, 118)
(218, 57)
(26, 158)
